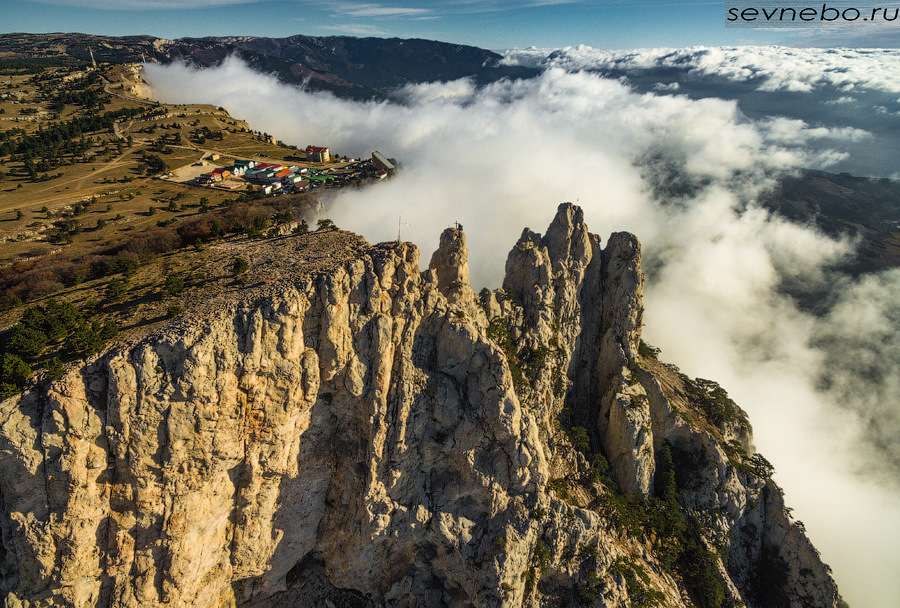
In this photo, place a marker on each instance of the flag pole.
(400, 223)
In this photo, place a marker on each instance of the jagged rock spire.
(451, 260)
(450, 265)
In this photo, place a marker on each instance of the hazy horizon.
(494, 24)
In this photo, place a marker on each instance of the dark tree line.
(75, 332)
(54, 137)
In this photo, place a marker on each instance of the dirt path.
(76, 182)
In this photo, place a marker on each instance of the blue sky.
(495, 24)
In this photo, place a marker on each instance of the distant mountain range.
(358, 68)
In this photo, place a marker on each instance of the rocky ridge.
(348, 66)
(376, 435)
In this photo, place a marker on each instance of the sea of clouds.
(769, 68)
(850, 88)
(502, 157)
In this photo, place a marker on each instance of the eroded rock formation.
(381, 436)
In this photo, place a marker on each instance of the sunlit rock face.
(382, 436)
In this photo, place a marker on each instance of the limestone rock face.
(378, 436)
(450, 265)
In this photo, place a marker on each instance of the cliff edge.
(376, 435)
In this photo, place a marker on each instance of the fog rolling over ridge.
(852, 89)
(682, 174)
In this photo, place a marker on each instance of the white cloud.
(456, 91)
(531, 57)
(504, 156)
(377, 10)
(355, 29)
(772, 68)
(796, 132)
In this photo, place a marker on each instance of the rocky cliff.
(376, 435)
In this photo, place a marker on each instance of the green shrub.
(499, 333)
(559, 384)
(633, 369)
(174, 284)
(542, 554)
(600, 471)
(85, 340)
(713, 400)
(701, 574)
(558, 486)
(239, 266)
(54, 369)
(761, 467)
(534, 359)
(55, 320)
(108, 330)
(530, 579)
(27, 342)
(640, 594)
(115, 290)
(645, 350)
(14, 373)
(586, 591)
(587, 552)
(580, 439)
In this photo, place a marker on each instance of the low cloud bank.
(851, 93)
(683, 175)
(769, 68)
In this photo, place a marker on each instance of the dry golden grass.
(123, 195)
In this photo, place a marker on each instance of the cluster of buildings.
(272, 178)
(265, 174)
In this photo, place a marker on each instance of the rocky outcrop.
(378, 436)
(449, 270)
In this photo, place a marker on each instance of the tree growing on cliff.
(14, 373)
(326, 224)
